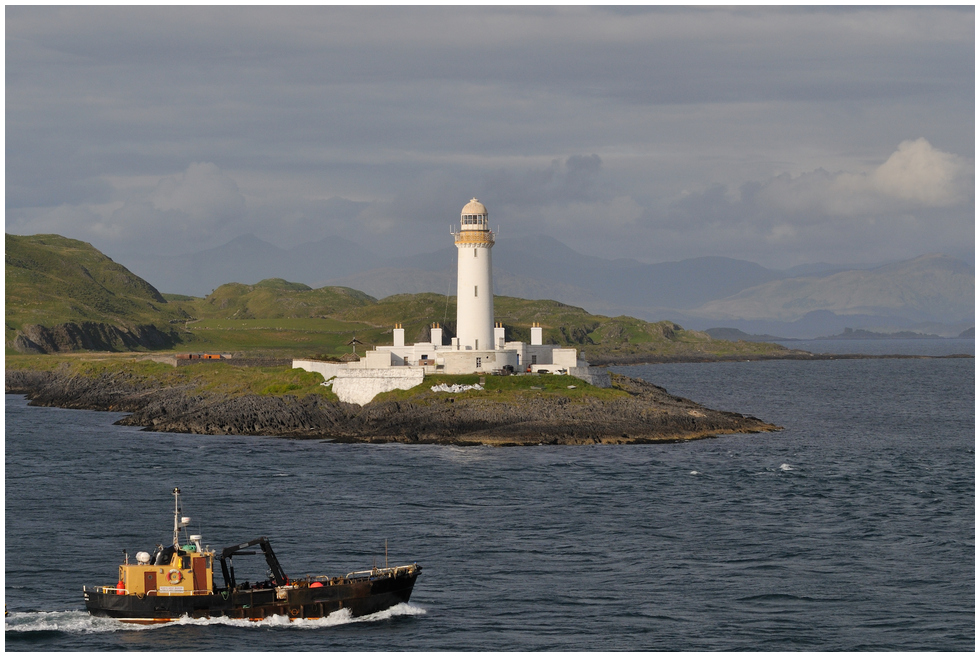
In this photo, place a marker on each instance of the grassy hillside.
(276, 298)
(275, 316)
(50, 280)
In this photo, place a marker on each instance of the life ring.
(175, 576)
(294, 611)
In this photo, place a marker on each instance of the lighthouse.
(474, 278)
(478, 348)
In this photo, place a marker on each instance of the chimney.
(435, 335)
(498, 335)
(399, 336)
(535, 334)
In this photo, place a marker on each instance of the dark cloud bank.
(777, 136)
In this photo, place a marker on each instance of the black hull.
(360, 596)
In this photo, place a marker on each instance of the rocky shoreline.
(648, 414)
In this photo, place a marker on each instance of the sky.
(779, 136)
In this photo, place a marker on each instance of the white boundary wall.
(596, 376)
(362, 385)
(327, 369)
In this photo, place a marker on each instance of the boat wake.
(81, 622)
(69, 622)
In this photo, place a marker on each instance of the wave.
(783, 467)
(81, 622)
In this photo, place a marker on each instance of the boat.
(177, 581)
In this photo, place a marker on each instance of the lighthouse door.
(150, 582)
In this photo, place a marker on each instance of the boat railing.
(379, 572)
(172, 593)
(115, 590)
(107, 590)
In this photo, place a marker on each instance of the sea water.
(851, 529)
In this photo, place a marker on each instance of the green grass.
(51, 280)
(277, 324)
(275, 298)
(221, 377)
(282, 340)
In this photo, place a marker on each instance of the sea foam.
(81, 622)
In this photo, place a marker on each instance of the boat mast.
(176, 516)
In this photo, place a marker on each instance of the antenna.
(176, 516)
(386, 553)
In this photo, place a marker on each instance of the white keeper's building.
(480, 345)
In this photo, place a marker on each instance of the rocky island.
(528, 410)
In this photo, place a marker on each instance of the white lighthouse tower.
(474, 289)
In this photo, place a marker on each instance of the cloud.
(577, 179)
(203, 193)
(919, 173)
(920, 199)
(915, 176)
(563, 194)
(591, 221)
(187, 209)
(588, 121)
(180, 213)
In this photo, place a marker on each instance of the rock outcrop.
(647, 414)
(96, 336)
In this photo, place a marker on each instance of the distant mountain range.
(248, 260)
(932, 293)
(928, 288)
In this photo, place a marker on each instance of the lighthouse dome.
(474, 207)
